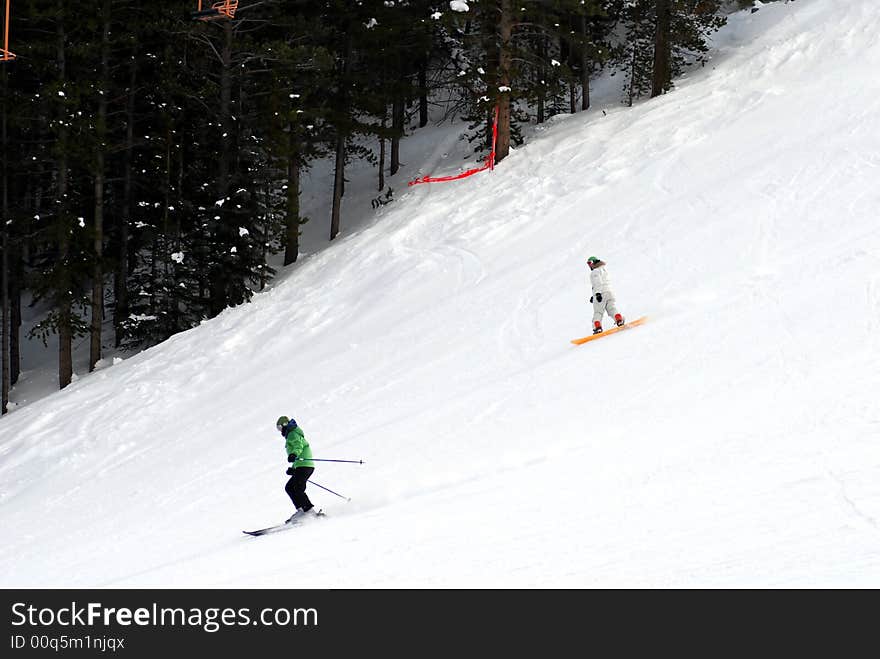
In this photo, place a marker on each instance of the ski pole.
(357, 462)
(329, 490)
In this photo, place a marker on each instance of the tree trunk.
(397, 118)
(382, 150)
(542, 77)
(423, 93)
(338, 183)
(585, 67)
(505, 62)
(291, 221)
(632, 75)
(97, 305)
(265, 237)
(16, 271)
(662, 74)
(4, 277)
(219, 280)
(341, 136)
(65, 307)
(4, 332)
(101, 134)
(120, 277)
(167, 241)
(15, 316)
(225, 109)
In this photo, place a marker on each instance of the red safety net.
(490, 162)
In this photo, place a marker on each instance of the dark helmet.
(283, 422)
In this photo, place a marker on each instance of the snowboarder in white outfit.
(603, 298)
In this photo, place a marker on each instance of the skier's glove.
(598, 297)
(591, 299)
(290, 471)
(291, 457)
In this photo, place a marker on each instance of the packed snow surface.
(731, 441)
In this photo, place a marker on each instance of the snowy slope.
(732, 441)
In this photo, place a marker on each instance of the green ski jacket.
(296, 444)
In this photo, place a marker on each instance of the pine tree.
(682, 30)
(638, 48)
(290, 92)
(62, 263)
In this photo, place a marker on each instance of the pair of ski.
(281, 527)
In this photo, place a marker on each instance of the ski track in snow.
(731, 441)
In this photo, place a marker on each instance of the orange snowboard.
(613, 330)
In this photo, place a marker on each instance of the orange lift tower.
(219, 11)
(5, 55)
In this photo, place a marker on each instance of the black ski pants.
(296, 487)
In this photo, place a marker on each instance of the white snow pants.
(607, 305)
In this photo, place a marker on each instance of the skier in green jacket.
(299, 454)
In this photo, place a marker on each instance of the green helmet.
(593, 259)
(282, 421)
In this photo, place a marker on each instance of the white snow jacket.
(600, 280)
